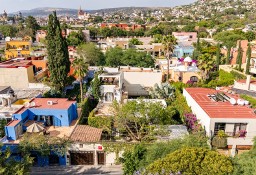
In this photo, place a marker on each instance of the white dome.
(188, 59)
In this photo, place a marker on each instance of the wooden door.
(101, 158)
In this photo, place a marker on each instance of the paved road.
(80, 170)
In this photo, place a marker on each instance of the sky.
(16, 5)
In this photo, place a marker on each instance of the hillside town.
(130, 91)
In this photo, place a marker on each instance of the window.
(240, 126)
(81, 145)
(218, 127)
(194, 79)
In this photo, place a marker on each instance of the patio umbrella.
(35, 128)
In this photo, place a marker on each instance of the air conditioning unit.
(49, 102)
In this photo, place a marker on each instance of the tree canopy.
(91, 54)
(192, 161)
(138, 118)
(117, 57)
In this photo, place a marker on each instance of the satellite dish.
(26, 104)
(217, 88)
(32, 104)
(232, 101)
(240, 102)
(246, 102)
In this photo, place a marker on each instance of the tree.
(138, 117)
(3, 123)
(135, 41)
(132, 159)
(228, 55)
(8, 165)
(31, 23)
(95, 85)
(136, 58)
(25, 32)
(58, 59)
(157, 38)
(169, 42)
(106, 32)
(8, 30)
(192, 161)
(75, 38)
(91, 54)
(250, 36)
(81, 69)
(245, 163)
(114, 57)
(205, 64)
(159, 150)
(248, 61)
(218, 56)
(239, 57)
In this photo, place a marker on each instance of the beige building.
(19, 73)
(184, 71)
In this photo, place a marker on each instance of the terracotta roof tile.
(13, 123)
(219, 109)
(41, 103)
(85, 133)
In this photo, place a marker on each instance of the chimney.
(248, 82)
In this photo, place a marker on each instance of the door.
(82, 158)
(53, 160)
(101, 158)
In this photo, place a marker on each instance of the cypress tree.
(228, 55)
(239, 57)
(58, 60)
(218, 56)
(248, 61)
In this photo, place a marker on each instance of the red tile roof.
(85, 133)
(13, 123)
(41, 103)
(219, 109)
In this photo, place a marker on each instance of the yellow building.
(17, 48)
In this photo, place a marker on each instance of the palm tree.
(205, 64)
(169, 42)
(80, 70)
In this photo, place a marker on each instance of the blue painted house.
(48, 113)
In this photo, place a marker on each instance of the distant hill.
(45, 11)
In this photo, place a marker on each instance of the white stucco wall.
(201, 115)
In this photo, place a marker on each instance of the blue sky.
(16, 5)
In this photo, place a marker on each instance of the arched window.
(194, 79)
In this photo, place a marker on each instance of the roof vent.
(49, 102)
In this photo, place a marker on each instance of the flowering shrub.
(192, 122)
(242, 133)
